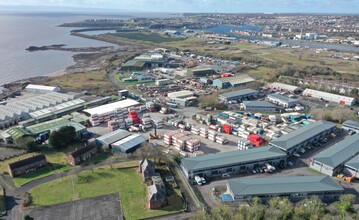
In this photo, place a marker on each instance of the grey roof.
(114, 136)
(281, 97)
(353, 163)
(242, 92)
(130, 142)
(340, 152)
(350, 123)
(283, 185)
(232, 158)
(300, 135)
(258, 104)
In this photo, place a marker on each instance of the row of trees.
(339, 114)
(283, 209)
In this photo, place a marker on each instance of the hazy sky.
(316, 6)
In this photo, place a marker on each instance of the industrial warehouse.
(231, 162)
(285, 87)
(330, 97)
(282, 100)
(350, 125)
(259, 106)
(238, 95)
(233, 81)
(301, 137)
(294, 187)
(333, 159)
(182, 98)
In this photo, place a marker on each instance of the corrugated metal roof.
(300, 135)
(281, 97)
(353, 163)
(113, 136)
(232, 158)
(316, 93)
(340, 152)
(283, 185)
(53, 125)
(130, 142)
(112, 107)
(242, 92)
(284, 86)
(351, 123)
(258, 104)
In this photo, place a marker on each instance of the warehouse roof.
(113, 136)
(282, 97)
(112, 107)
(130, 142)
(232, 158)
(312, 92)
(42, 87)
(242, 92)
(283, 185)
(350, 123)
(258, 104)
(53, 125)
(300, 135)
(284, 86)
(18, 132)
(237, 79)
(340, 152)
(57, 108)
(180, 94)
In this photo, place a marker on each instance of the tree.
(345, 204)
(26, 199)
(62, 137)
(312, 208)
(26, 142)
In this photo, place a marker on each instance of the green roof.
(339, 153)
(283, 185)
(17, 132)
(53, 125)
(300, 135)
(232, 158)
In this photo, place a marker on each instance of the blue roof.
(242, 92)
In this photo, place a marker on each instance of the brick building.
(27, 165)
(82, 154)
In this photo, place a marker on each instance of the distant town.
(197, 116)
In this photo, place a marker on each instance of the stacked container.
(212, 135)
(150, 106)
(147, 122)
(134, 116)
(94, 120)
(112, 125)
(192, 145)
(221, 139)
(244, 144)
(128, 122)
(203, 132)
(227, 128)
(178, 141)
(195, 130)
(255, 140)
(157, 122)
(168, 137)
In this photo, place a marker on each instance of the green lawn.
(42, 172)
(150, 37)
(102, 181)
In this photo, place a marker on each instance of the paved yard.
(9, 152)
(100, 208)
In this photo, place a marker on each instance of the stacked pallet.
(134, 116)
(121, 113)
(244, 144)
(128, 122)
(147, 122)
(112, 125)
(94, 120)
(212, 135)
(180, 142)
(192, 145)
(221, 139)
(168, 137)
(203, 132)
(195, 131)
(121, 124)
(157, 122)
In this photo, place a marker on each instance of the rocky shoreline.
(60, 47)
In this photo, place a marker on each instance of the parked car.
(296, 155)
(203, 180)
(198, 180)
(254, 171)
(302, 150)
(226, 175)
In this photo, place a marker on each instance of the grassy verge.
(2, 202)
(127, 182)
(40, 173)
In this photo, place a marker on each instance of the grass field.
(103, 181)
(148, 37)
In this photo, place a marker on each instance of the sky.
(220, 6)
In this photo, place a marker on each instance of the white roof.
(180, 94)
(112, 107)
(42, 87)
(331, 96)
(284, 86)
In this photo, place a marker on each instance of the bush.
(27, 199)
(62, 137)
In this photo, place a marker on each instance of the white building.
(41, 89)
(330, 97)
(285, 87)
